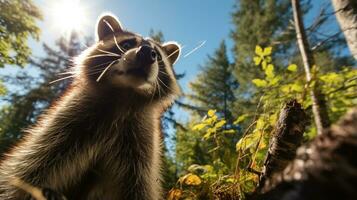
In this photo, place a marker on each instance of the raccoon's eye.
(158, 55)
(159, 58)
(128, 44)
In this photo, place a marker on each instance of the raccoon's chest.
(127, 148)
(123, 156)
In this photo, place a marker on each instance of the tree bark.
(325, 169)
(318, 101)
(287, 137)
(346, 14)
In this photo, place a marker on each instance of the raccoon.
(101, 139)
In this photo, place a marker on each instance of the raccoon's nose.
(146, 55)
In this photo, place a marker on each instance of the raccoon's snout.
(146, 55)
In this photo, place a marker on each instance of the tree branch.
(318, 102)
(287, 137)
(326, 168)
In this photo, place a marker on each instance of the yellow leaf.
(240, 119)
(199, 127)
(260, 124)
(264, 64)
(211, 113)
(248, 141)
(285, 89)
(220, 123)
(229, 131)
(267, 51)
(192, 179)
(273, 118)
(257, 60)
(297, 87)
(274, 80)
(174, 194)
(207, 135)
(292, 68)
(268, 59)
(269, 71)
(260, 82)
(259, 51)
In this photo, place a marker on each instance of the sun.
(68, 16)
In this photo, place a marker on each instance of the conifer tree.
(22, 108)
(215, 85)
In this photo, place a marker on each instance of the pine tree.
(213, 89)
(215, 85)
(258, 22)
(22, 109)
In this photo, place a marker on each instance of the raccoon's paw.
(50, 194)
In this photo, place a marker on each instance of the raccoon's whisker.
(108, 24)
(95, 67)
(108, 52)
(153, 94)
(195, 49)
(173, 53)
(61, 79)
(158, 78)
(101, 55)
(158, 88)
(93, 73)
(161, 61)
(101, 75)
(164, 73)
(116, 43)
(64, 73)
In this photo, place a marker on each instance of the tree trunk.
(287, 137)
(346, 14)
(318, 101)
(325, 168)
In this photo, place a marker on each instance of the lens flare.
(68, 15)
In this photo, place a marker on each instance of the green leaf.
(292, 67)
(211, 113)
(259, 51)
(260, 82)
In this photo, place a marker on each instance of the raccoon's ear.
(107, 25)
(173, 51)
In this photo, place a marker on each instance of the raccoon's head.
(127, 62)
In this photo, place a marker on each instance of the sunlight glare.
(68, 16)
